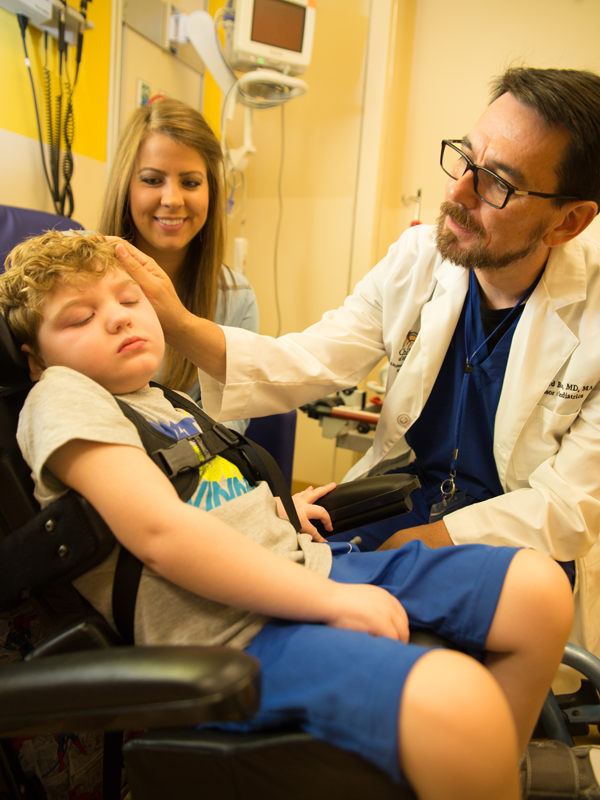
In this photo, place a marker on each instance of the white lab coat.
(547, 432)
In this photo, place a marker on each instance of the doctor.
(491, 324)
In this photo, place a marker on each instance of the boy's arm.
(204, 555)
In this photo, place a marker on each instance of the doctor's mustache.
(460, 216)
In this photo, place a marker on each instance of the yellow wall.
(212, 93)
(458, 47)
(20, 160)
(395, 125)
(91, 95)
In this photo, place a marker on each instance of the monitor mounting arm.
(261, 88)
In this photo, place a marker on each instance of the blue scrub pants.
(345, 686)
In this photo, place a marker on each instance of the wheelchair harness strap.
(179, 461)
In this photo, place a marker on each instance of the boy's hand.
(307, 511)
(361, 607)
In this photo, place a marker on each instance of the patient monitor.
(277, 34)
(269, 41)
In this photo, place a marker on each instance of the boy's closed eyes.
(103, 327)
(78, 311)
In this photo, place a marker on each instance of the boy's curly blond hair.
(38, 265)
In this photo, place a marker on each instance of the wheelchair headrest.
(14, 370)
(17, 224)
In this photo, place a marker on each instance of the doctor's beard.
(477, 256)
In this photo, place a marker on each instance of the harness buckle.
(180, 457)
(226, 434)
(198, 440)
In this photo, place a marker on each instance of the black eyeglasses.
(491, 188)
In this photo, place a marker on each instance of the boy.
(225, 568)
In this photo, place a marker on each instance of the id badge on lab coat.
(447, 506)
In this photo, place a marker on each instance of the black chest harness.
(179, 461)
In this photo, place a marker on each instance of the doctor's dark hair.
(37, 266)
(567, 99)
(202, 273)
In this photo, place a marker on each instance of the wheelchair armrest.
(125, 688)
(91, 632)
(367, 500)
(57, 545)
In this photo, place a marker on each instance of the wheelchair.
(81, 678)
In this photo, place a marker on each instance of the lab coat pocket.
(539, 439)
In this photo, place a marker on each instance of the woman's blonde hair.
(201, 274)
(38, 265)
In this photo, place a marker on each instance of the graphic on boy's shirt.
(178, 430)
(220, 480)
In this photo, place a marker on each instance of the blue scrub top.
(432, 435)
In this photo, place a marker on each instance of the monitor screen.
(278, 23)
(273, 34)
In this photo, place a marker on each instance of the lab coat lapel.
(438, 323)
(541, 344)
(415, 380)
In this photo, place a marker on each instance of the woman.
(165, 195)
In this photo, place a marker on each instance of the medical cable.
(83, 11)
(222, 17)
(57, 126)
(69, 121)
(229, 165)
(243, 205)
(52, 108)
(279, 219)
(68, 136)
(52, 155)
(266, 89)
(361, 132)
(23, 23)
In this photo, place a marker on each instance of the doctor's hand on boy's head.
(306, 510)
(155, 283)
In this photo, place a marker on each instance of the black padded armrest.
(91, 632)
(60, 543)
(127, 688)
(367, 500)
